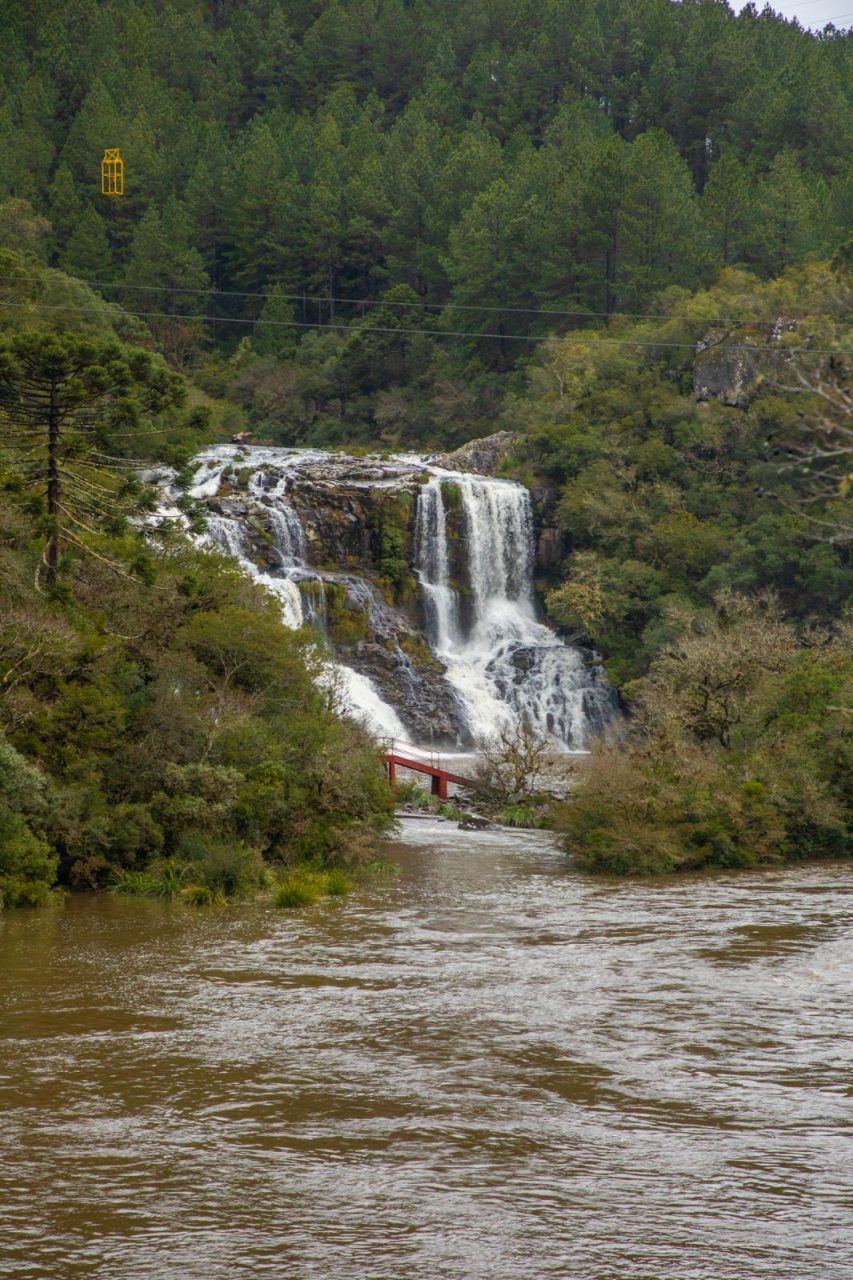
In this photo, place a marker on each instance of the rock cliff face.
(418, 577)
(724, 373)
(726, 368)
(357, 581)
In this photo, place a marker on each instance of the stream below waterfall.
(484, 1068)
(457, 652)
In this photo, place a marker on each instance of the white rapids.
(352, 692)
(473, 554)
(506, 665)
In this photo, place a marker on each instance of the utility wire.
(446, 306)
(434, 333)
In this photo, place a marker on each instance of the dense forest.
(490, 157)
(395, 223)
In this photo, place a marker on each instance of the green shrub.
(28, 866)
(226, 867)
(138, 884)
(202, 895)
(304, 886)
(410, 793)
(171, 877)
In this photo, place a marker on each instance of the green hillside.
(619, 229)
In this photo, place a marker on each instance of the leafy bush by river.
(739, 754)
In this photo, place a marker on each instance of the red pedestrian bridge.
(399, 755)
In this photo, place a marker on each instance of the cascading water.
(504, 663)
(492, 662)
(229, 535)
(300, 590)
(441, 604)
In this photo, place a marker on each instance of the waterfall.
(441, 604)
(482, 661)
(289, 536)
(314, 602)
(504, 663)
(300, 590)
(229, 535)
(499, 533)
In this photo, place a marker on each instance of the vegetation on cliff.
(710, 562)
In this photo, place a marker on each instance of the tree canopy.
(481, 153)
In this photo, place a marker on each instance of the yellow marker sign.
(112, 173)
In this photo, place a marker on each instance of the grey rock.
(727, 366)
(483, 456)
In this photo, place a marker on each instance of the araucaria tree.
(68, 403)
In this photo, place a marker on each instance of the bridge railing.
(399, 747)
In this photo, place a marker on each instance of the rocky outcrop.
(481, 457)
(433, 712)
(552, 544)
(728, 366)
(724, 372)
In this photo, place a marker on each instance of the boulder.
(728, 367)
(482, 457)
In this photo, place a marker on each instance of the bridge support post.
(439, 786)
(392, 772)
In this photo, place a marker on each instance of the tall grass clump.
(303, 886)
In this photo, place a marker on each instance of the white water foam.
(355, 693)
(505, 665)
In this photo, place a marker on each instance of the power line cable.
(434, 333)
(442, 306)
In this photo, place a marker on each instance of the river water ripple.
(486, 1068)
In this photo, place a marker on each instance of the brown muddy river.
(486, 1068)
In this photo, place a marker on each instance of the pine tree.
(493, 260)
(32, 157)
(96, 126)
(275, 333)
(264, 209)
(7, 151)
(600, 224)
(88, 254)
(65, 207)
(729, 207)
(170, 282)
(162, 263)
(61, 397)
(662, 242)
(789, 215)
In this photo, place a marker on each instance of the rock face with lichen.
(726, 367)
(724, 372)
(484, 456)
